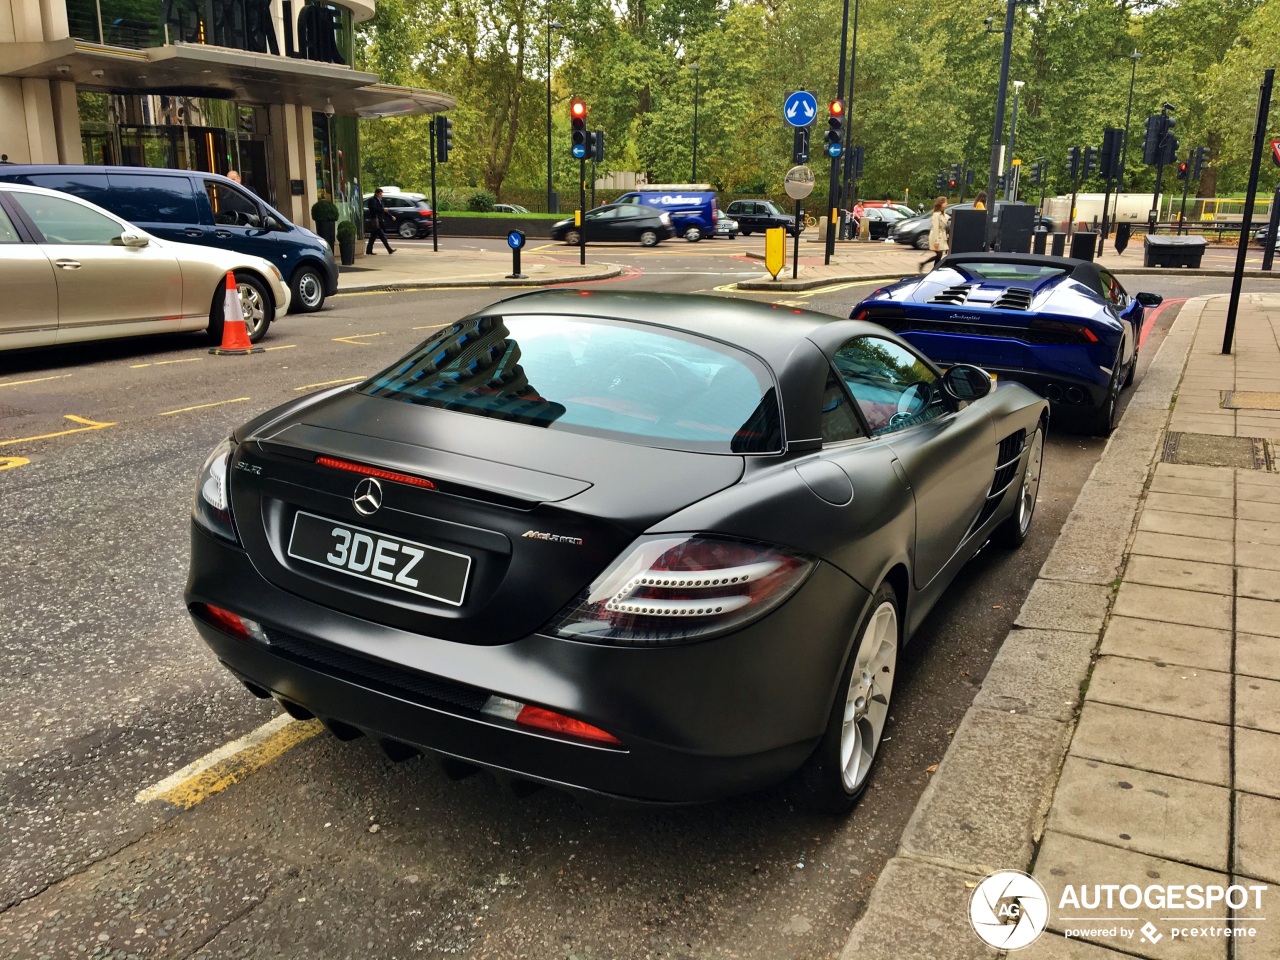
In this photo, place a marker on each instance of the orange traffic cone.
(235, 336)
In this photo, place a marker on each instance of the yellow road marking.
(287, 346)
(18, 383)
(230, 763)
(89, 425)
(356, 337)
(433, 326)
(161, 363)
(9, 463)
(328, 383)
(202, 406)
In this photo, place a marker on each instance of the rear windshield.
(604, 378)
(1010, 271)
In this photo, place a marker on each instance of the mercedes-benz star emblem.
(368, 497)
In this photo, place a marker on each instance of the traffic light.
(597, 146)
(957, 171)
(1182, 170)
(1090, 165)
(940, 181)
(1035, 175)
(1199, 162)
(1151, 141)
(444, 138)
(800, 146)
(580, 141)
(835, 129)
(1073, 163)
(1112, 149)
(1168, 142)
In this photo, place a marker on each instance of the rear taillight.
(679, 589)
(242, 628)
(665, 218)
(547, 721)
(212, 507)
(425, 214)
(1077, 331)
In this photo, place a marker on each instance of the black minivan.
(203, 208)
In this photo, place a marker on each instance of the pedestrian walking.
(859, 211)
(378, 214)
(938, 241)
(980, 201)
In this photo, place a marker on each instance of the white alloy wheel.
(867, 702)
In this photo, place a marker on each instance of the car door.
(239, 224)
(947, 450)
(1125, 308)
(601, 224)
(30, 314)
(100, 282)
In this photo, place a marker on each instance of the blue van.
(203, 208)
(693, 212)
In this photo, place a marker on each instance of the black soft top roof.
(1082, 271)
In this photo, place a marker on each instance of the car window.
(65, 221)
(232, 206)
(1030, 272)
(86, 186)
(893, 387)
(631, 210)
(605, 213)
(838, 419)
(7, 233)
(623, 381)
(153, 199)
(1113, 291)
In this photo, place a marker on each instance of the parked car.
(756, 216)
(726, 226)
(509, 208)
(457, 555)
(692, 212)
(901, 208)
(616, 222)
(914, 231)
(1261, 235)
(410, 212)
(72, 271)
(198, 208)
(881, 220)
(1065, 328)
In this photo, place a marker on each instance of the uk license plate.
(394, 562)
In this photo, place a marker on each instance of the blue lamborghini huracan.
(1065, 328)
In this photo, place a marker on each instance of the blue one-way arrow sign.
(800, 109)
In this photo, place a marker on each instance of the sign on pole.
(800, 109)
(775, 250)
(1275, 152)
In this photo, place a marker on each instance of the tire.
(746, 232)
(693, 234)
(408, 230)
(921, 242)
(1133, 369)
(307, 289)
(1102, 422)
(1012, 533)
(255, 302)
(573, 238)
(648, 239)
(837, 771)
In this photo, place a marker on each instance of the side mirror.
(128, 239)
(966, 382)
(271, 223)
(1149, 299)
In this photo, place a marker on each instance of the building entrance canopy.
(200, 70)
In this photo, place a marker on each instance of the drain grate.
(1250, 400)
(1207, 450)
(8, 413)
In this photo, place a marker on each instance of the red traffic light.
(836, 107)
(577, 108)
(951, 183)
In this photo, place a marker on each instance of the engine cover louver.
(1015, 298)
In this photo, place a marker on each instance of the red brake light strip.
(377, 472)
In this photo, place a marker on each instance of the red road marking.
(1149, 321)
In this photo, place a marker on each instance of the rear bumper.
(698, 722)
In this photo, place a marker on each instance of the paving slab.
(1147, 812)
(918, 910)
(1258, 531)
(1258, 656)
(1257, 493)
(1063, 605)
(1255, 510)
(1175, 643)
(1175, 746)
(1260, 555)
(1184, 503)
(1259, 584)
(1258, 616)
(979, 814)
(1187, 525)
(1194, 471)
(1067, 860)
(1162, 483)
(1179, 691)
(1172, 605)
(1180, 574)
(1257, 839)
(1257, 759)
(1150, 544)
(1050, 946)
(1038, 672)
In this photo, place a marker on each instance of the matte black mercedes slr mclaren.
(663, 548)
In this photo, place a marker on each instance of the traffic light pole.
(1153, 216)
(1186, 182)
(1268, 254)
(795, 247)
(435, 215)
(1106, 202)
(1259, 143)
(582, 210)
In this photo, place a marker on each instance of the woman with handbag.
(938, 240)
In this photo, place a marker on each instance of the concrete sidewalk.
(1128, 731)
(417, 266)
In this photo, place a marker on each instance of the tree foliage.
(924, 91)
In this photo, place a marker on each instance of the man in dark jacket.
(378, 214)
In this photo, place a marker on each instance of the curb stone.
(400, 286)
(1023, 718)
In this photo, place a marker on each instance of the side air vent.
(1015, 298)
(1007, 458)
(954, 295)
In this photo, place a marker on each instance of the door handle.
(193, 232)
(222, 234)
(68, 264)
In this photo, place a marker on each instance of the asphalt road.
(331, 850)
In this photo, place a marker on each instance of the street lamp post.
(993, 172)
(551, 25)
(1013, 139)
(696, 75)
(1128, 113)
